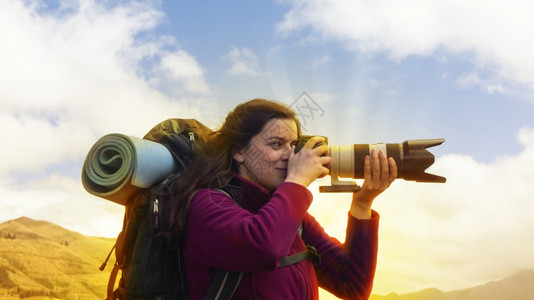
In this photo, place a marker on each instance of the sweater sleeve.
(225, 236)
(346, 270)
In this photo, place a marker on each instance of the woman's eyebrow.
(275, 138)
(281, 139)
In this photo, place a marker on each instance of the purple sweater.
(252, 237)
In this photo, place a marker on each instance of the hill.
(41, 260)
(38, 258)
(517, 287)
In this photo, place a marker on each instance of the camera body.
(411, 157)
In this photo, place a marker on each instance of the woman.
(265, 219)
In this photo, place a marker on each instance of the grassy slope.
(54, 263)
(46, 259)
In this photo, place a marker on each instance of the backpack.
(149, 260)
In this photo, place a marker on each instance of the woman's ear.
(238, 156)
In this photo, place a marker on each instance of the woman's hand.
(309, 163)
(377, 178)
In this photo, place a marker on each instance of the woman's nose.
(287, 152)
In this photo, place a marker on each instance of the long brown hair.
(213, 166)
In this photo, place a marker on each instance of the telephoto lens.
(411, 156)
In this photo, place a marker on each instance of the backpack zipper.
(156, 214)
(192, 139)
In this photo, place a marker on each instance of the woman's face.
(264, 160)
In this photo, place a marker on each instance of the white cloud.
(495, 35)
(451, 235)
(375, 83)
(32, 143)
(489, 86)
(183, 67)
(70, 76)
(61, 200)
(325, 59)
(244, 61)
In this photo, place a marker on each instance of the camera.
(411, 156)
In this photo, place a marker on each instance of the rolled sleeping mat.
(117, 166)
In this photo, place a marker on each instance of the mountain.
(517, 287)
(46, 261)
(38, 258)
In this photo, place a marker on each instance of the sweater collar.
(248, 194)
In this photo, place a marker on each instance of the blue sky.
(414, 91)
(382, 71)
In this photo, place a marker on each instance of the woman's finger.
(375, 164)
(392, 170)
(367, 168)
(384, 165)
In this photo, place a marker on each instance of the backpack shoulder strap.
(309, 253)
(224, 283)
